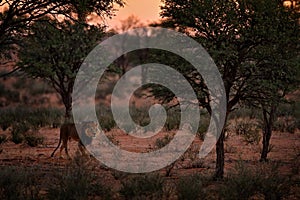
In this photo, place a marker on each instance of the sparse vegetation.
(161, 142)
(3, 138)
(246, 183)
(148, 186)
(33, 140)
(19, 183)
(248, 129)
(78, 181)
(33, 118)
(191, 187)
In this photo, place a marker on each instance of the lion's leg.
(65, 146)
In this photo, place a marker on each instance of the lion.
(87, 131)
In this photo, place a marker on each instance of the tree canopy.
(17, 15)
(54, 52)
(254, 43)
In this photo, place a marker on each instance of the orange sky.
(145, 10)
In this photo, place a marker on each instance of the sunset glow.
(145, 10)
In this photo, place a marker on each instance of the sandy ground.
(286, 147)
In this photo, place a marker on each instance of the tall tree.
(17, 15)
(233, 32)
(54, 52)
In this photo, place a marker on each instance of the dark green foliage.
(248, 129)
(77, 181)
(203, 126)
(148, 186)
(264, 181)
(18, 183)
(34, 118)
(54, 52)
(18, 131)
(191, 187)
(17, 16)
(161, 142)
(9, 95)
(33, 140)
(3, 138)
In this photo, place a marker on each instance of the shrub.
(18, 183)
(263, 181)
(161, 142)
(248, 129)
(34, 140)
(143, 187)
(18, 131)
(3, 138)
(34, 118)
(203, 126)
(190, 187)
(77, 181)
(7, 118)
(285, 124)
(242, 184)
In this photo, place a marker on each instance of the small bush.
(18, 183)
(34, 118)
(285, 124)
(77, 181)
(6, 120)
(263, 181)
(203, 126)
(143, 187)
(240, 185)
(190, 187)
(3, 138)
(34, 140)
(18, 131)
(161, 142)
(248, 129)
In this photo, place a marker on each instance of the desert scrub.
(148, 186)
(263, 181)
(19, 183)
(35, 118)
(33, 140)
(247, 128)
(191, 187)
(78, 181)
(3, 138)
(18, 131)
(161, 142)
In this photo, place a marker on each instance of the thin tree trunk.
(219, 173)
(67, 100)
(268, 118)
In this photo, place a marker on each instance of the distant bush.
(148, 186)
(33, 140)
(244, 112)
(34, 118)
(285, 124)
(18, 131)
(9, 95)
(248, 129)
(3, 138)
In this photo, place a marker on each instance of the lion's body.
(87, 131)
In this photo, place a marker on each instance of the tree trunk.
(268, 118)
(219, 173)
(67, 100)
